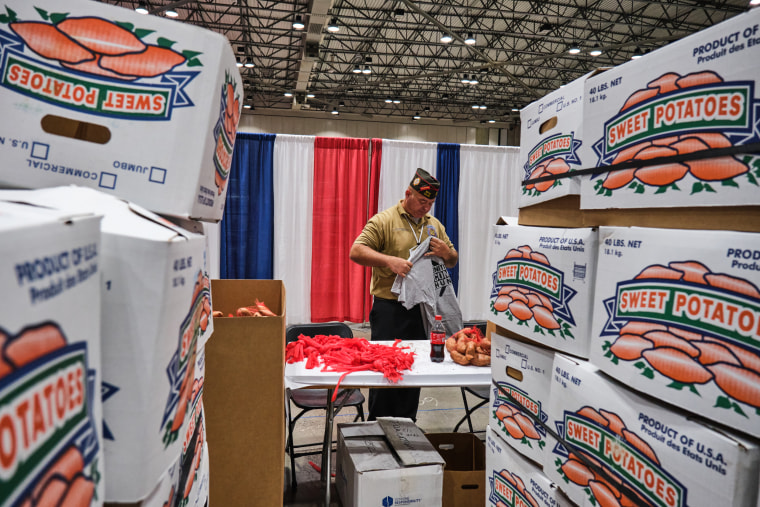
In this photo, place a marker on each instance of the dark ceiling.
(520, 53)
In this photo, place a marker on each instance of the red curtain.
(376, 153)
(341, 179)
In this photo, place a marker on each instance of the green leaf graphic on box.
(709, 188)
(541, 444)
(126, 26)
(10, 17)
(538, 329)
(729, 183)
(142, 32)
(697, 187)
(752, 179)
(678, 386)
(661, 190)
(194, 63)
(57, 17)
(639, 188)
(165, 43)
(591, 497)
(42, 12)
(607, 192)
(526, 441)
(728, 404)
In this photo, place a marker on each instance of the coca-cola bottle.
(437, 340)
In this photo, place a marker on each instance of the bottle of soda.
(437, 340)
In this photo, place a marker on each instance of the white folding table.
(424, 373)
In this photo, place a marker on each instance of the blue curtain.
(447, 202)
(247, 228)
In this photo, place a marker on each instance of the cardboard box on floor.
(244, 396)
(464, 477)
(387, 462)
(142, 107)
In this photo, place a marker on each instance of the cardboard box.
(50, 366)
(514, 480)
(517, 413)
(156, 308)
(552, 143)
(154, 125)
(542, 284)
(244, 395)
(464, 475)
(697, 93)
(615, 441)
(387, 462)
(667, 297)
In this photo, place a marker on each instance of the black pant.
(389, 320)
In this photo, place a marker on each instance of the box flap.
(505, 220)
(371, 453)
(409, 443)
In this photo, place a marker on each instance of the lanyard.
(418, 239)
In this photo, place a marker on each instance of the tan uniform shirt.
(393, 232)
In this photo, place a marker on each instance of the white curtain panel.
(293, 182)
(489, 186)
(398, 164)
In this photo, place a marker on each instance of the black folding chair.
(315, 399)
(481, 393)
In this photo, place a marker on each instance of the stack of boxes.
(115, 143)
(631, 376)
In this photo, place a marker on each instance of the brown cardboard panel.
(566, 212)
(562, 212)
(464, 476)
(244, 396)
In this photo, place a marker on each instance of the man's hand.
(440, 249)
(399, 266)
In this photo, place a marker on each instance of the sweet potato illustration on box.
(520, 417)
(509, 489)
(680, 115)
(181, 370)
(692, 326)
(528, 289)
(614, 465)
(225, 133)
(94, 65)
(48, 438)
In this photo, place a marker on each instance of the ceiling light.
(288, 94)
(142, 8)
(310, 95)
(171, 13)
(367, 63)
(396, 101)
(466, 79)
(334, 111)
(492, 121)
(754, 2)
(482, 106)
(475, 106)
(416, 116)
(239, 63)
(470, 40)
(367, 70)
(474, 80)
(596, 50)
(248, 63)
(333, 26)
(446, 38)
(298, 23)
(388, 100)
(514, 109)
(636, 53)
(357, 69)
(341, 104)
(246, 106)
(574, 49)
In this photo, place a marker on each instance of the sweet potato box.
(698, 93)
(522, 371)
(542, 284)
(620, 448)
(677, 316)
(552, 143)
(51, 445)
(139, 106)
(156, 316)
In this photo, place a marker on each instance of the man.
(384, 244)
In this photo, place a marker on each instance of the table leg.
(327, 447)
